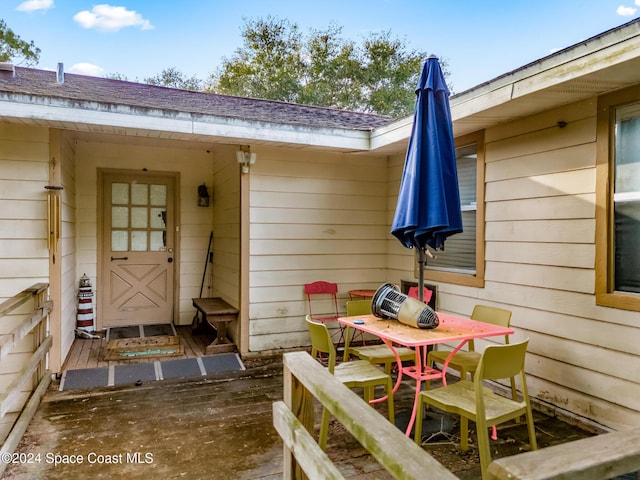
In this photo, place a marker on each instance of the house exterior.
(548, 236)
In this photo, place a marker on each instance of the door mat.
(144, 342)
(132, 374)
(133, 331)
(147, 347)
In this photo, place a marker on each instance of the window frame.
(467, 279)
(605, 247)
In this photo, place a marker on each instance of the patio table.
(363, 293)
(452, 329)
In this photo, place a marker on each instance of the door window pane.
(138, 241)
(119, 217)
(119, 193)
(158, 217)
(158, 195)
(158, 243)
(119, 241)
(139, 194)
(139, 217)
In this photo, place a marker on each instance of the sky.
(479, 39)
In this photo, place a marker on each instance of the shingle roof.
(80, 88)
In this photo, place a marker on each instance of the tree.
(391, 75)
(117, 76)
(268, 66)
(172, 77)
(333, 75)
(323, 68)
(14, 49)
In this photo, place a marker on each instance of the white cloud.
(110, 18)
(627, 11)
(87, 69)
(33, 5)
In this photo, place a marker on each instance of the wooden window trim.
(477, 279)
(605, 295)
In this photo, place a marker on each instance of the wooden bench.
(217, 313)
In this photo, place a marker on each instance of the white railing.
(24, 346)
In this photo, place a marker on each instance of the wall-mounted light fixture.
(245, 158)
(203, 196)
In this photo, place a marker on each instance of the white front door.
(138, 225)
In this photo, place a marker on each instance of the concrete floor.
(210, 428)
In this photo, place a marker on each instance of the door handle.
(119, 258)
(170, 259)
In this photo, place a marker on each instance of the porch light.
(245, 158)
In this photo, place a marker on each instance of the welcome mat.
(144, 347)
(145, 372)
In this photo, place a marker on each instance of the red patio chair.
(324, 295)
(413, 292)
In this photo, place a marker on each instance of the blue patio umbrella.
(428, 208)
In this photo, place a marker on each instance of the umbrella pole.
(421, 257)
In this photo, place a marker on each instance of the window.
(618, 201)
(462, 260)
(138, 217)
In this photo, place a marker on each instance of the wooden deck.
(219, 427)
(90, 353)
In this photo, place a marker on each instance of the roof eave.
(120, 119)
(602, 64)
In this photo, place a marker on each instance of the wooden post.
(300, 401)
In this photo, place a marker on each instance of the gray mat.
(134, 331)
(134, 372)
(130, 374)
(182, 368)
(85, 378)
(221, 363)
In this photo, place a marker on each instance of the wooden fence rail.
(26, 386)
(603, 456)
(304, 378)
(608, 455)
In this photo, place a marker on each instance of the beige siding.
(224, 274)
(314, 216)
(226, 226)
(70, 276)
(540, 254)
(24, 259)
(541, 265)
(24, 163)
(195, 167)
(400, 261)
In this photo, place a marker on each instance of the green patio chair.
(466, 361)
(354, 374)
(473, 401)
